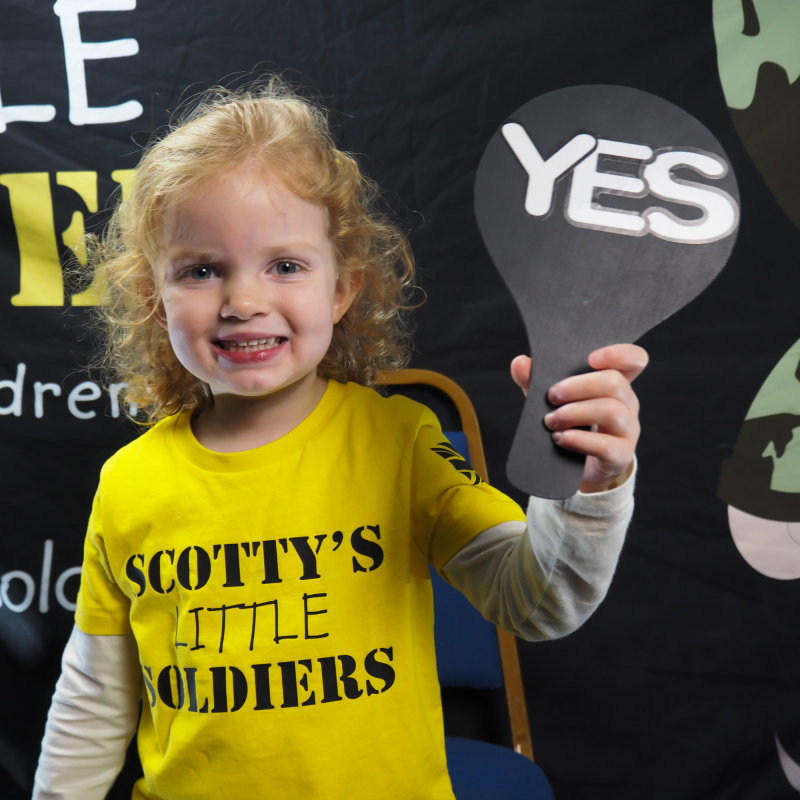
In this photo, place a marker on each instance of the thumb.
(521, 373)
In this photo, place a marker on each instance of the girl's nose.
(245, 300)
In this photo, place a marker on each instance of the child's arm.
(544, 579)
(92, 718)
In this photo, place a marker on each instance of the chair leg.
(515, 694)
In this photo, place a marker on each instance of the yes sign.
(618, 161)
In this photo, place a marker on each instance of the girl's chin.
(263, 388)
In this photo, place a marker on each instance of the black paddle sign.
(605, 209)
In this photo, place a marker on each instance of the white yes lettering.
(720, 213)
(584, 212)
(542, 174)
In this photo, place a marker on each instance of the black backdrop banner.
(684, 684)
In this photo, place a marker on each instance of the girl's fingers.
(613, 452)
(606, 383)
(521, 372)
(629, 359)
(607, 414)
(604, 401)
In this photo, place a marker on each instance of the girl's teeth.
(252, 345)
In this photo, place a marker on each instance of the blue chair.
(473, 653)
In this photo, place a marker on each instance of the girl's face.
(250, 292)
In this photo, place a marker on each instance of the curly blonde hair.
(290, 137)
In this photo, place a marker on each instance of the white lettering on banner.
(39, 389)
(44, 586)
(18, 606)
(30, 590)
(720, 212)
(76, 52)
(60, 583)
(15, 406)
(83, 393)
(27, 113)
(113, 394)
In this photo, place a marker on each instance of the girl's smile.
(258, 348)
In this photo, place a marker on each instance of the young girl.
(256, 564)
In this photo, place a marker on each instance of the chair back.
(470, 652)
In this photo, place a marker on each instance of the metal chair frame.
(512, 676)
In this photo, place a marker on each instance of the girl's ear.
(157, 307)
(347, 287)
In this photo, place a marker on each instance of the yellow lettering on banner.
(85, 184)
(40, 280)
(123, 178)
(93, 295)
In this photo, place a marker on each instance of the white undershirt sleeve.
(543, 579)
(92, 718)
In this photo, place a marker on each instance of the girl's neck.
(236, 423)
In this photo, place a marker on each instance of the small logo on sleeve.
(449, 453)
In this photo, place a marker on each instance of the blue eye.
(286, 268)
(201, 273)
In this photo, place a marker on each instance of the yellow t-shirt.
(281, 601)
